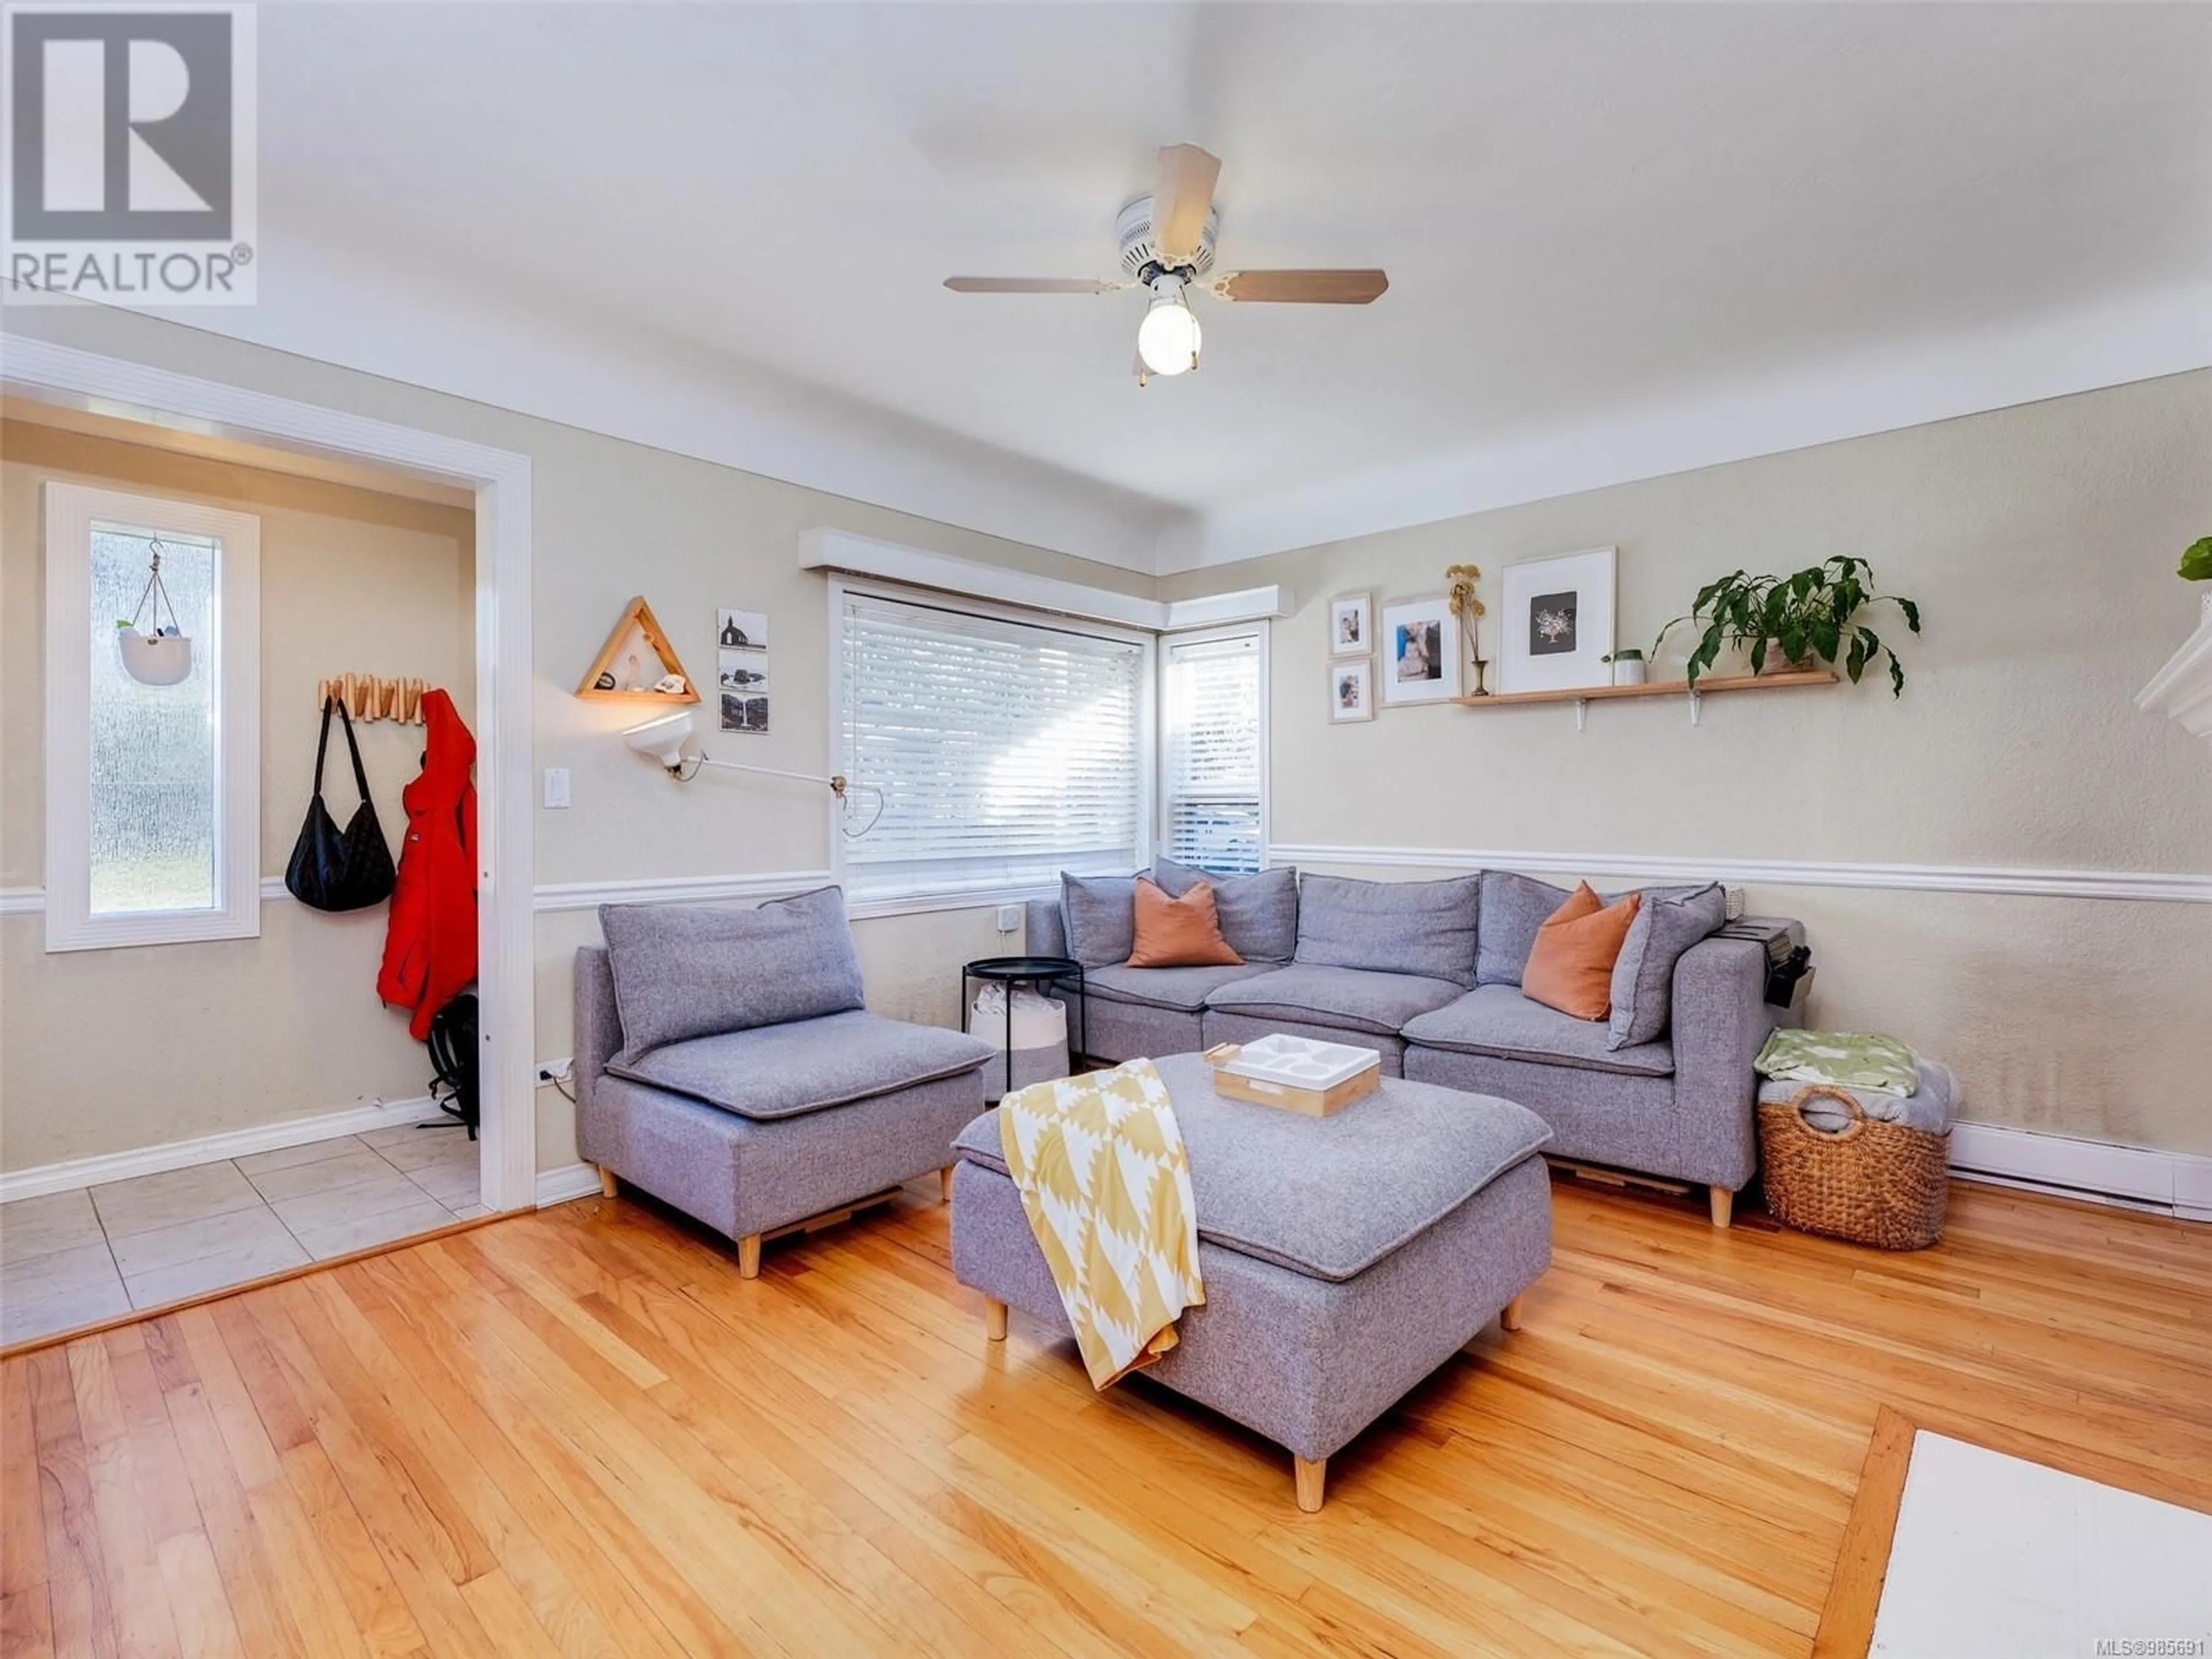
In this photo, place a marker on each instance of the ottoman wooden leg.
(1724, 1205)
(944, 1184)
(1508, 1316)
(606, 1181)
(994, 1319)
(749, 1256)
(1312, 1477)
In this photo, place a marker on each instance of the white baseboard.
(2180, 1183)
(570, 1181)
(73, 1173)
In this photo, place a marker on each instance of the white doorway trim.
(500, 479)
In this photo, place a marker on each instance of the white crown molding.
(2165, 332)
(595, 371)
(567, 1181)
(73, 1173)
(554, 898)
(843, 553)
(344, 302)
(2153, 885)
(2134, 1175)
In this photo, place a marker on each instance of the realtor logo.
(130, 170)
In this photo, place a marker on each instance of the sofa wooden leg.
(606, 1181)
(994, 1319)
(1311, 1475)
(1724, 1205)
(1508, 1316)
(749, 1256)
(944, 1184)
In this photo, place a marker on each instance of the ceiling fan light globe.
(1168, 338)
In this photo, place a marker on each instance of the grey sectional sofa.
(725, 1064)
(1429, 974)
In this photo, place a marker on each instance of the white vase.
(165, 660)
(1628, 670)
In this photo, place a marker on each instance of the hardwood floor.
(580, 1432)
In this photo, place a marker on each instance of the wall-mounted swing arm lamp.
(664, 739)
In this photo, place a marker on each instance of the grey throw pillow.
(1259, 913)
(1425, 928)
(1101, 916)
(1513, 908)
(1670, 920)
(686, 971)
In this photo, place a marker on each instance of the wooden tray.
(1312, 1103)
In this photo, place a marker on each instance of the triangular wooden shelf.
(637, 616)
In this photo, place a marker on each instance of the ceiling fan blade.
(1031, 285)
(1180, 204)
(1311, 287)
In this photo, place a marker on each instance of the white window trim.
(71, 512)
(1148, 756)
(1263, 636)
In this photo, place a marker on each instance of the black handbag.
(333, 869)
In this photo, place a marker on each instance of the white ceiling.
(1621, 239)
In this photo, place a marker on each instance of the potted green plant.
(2197, 561)
(1794, 622)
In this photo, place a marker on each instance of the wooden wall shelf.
(1583, 697)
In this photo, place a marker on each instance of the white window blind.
(1211, 749)
(1007, 751)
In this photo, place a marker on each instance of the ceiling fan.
(1167, 247)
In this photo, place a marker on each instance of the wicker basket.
(1873, 1183)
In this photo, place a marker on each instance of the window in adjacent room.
(153, 792)
(1008, 748)
(1213, 748)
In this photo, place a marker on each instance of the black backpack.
(453, 1054)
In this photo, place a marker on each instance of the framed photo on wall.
(1420, 652)
(1555, 629)
(1352, 690)
(1351, 625)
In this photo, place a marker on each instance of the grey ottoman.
(1345, 1257)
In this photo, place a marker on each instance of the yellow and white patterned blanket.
(1106, 1184)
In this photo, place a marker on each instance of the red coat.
(430, 946)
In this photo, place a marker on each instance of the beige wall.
(105, 1051)
(610, 520)
(2040, 539)
(2040, 542)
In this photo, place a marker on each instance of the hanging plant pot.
(155, 659)
(163, 657)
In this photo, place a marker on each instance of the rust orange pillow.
(1572, 967)
(1181, 933)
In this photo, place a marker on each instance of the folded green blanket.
(1847, 1060)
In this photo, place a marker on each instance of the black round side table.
(1040, 972)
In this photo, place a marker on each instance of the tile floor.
(76, 1258)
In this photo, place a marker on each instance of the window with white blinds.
(1211, 748)
(1007, 751)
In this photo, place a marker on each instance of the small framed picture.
(746, 710)
(1420, 652)
(1352, 690)
(1351, 625)
(741, 630)
(1557, 628)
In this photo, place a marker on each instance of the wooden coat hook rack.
(369, 698)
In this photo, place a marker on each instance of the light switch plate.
(557, 787)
